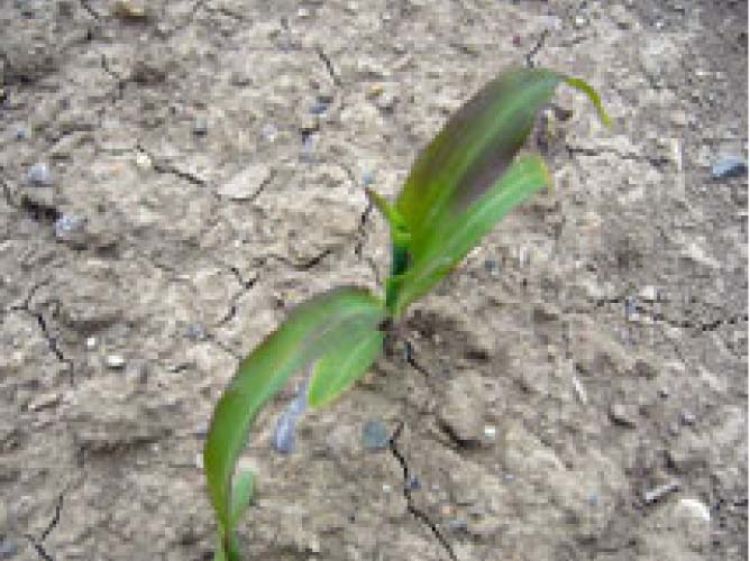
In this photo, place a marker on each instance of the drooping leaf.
(344, 364)
(475, 147)
(460, 231)
(309, 331)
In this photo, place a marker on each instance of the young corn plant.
(467, 179)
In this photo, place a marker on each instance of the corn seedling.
(466, 180)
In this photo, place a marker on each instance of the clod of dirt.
(246, 184)
(462, 414)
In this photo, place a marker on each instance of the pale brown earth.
(592, 351)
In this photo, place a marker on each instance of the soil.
(576, 390)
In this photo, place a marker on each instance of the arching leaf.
(344, 364)
(309, 331)
(460, 231)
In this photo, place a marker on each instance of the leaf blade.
(343, 365)
(461, 231)
(308, 331)
(474, 147)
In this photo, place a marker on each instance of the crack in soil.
(407, 490)
(656, 161)
(361, 232)
(38, 543)
(245, 286)
(302, 266)
(631, 305)
(536, 48)
(88, 9)
(169, 169)
(119, 80)
(329, 65)
(44, 328)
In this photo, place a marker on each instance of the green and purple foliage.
(466, 180)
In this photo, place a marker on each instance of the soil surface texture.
(177, 174)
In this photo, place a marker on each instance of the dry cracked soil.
(176, 174)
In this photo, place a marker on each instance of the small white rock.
(143, 160)
(694, 509)
(39, 175)
(44, 401)
(91, 343)
(649, 293)
(490, 432)
(580, 390)
(115, 362)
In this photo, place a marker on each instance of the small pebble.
(490, 432)
(731, 166)
(39, 175)
(143, 160)
(90, 343)
(687, 418)
(631, 308)
(580, 390)
(375, 435)
(129, 10)
(195, 332)
(320, 106)
(386, 488)
(44, 401)
(649, 293)
(619, 415)
(67, 224)
(8, 549)
(308, 148)
(368, 178)
(200, 127)
(492, 267)
(695, 508)
(661, 491)
(269, 132)
(21, 133)
(115, 362)
(457, 525)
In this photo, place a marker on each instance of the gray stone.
(8, 549)
(39, 175)
(730, 166)
(620, 415)
(115, 362)
(375, 435)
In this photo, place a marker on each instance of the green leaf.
(343, 365)
(476, 146)
(310, 330)
(474, 149)
(242, 492)
(461, 231)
